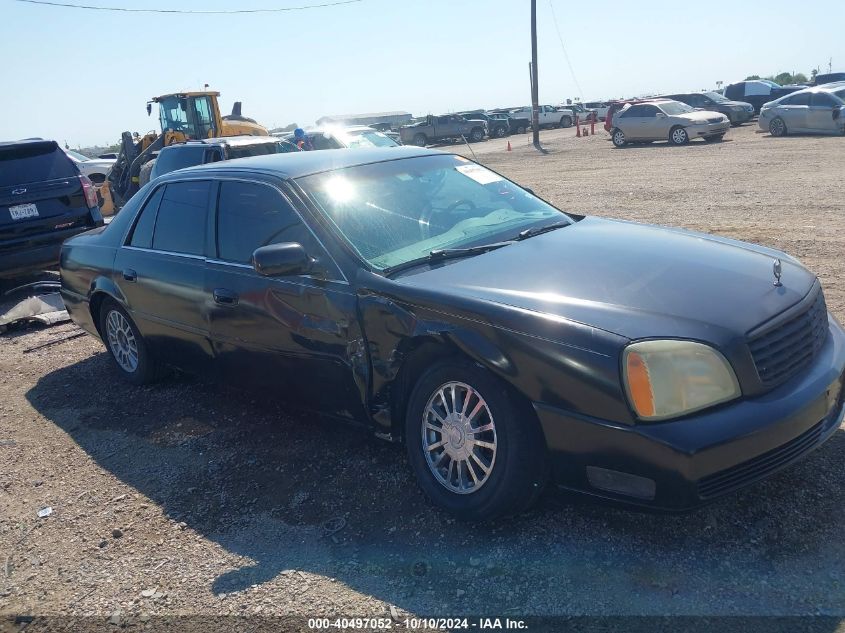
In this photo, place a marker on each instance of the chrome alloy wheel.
(459, 438)
(122, 341)
(679, 136)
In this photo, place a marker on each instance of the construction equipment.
(183, 116)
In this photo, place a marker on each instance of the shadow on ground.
(292, 491)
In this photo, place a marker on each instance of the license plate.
(23, 211)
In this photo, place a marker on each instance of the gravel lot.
(191, 498)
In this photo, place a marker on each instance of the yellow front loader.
(182, 116)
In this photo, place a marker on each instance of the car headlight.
(668, 378)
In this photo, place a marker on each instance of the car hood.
(630, 279)
(698, 116)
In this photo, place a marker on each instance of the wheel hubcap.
(777, 126)
(459, 438)
(122, 341)
(679, 136)
(619, 138)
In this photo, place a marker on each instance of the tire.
(566, 121)
(420, 140)
(678, 136)
(514, 451)
(113, 321)
(521, 129)
(500, 131)
(618, 137)
(146, 171)
(476, 134)
(777, 127)
(715, 139)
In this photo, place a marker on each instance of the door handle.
(225, 297)
(130, 275)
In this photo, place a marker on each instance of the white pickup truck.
(549, 115)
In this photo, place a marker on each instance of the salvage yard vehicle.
(446, 127)
(95, 168)
(549, 116)
(817, 110)
(345, 137)
(212, 150)
(43, 201)
(445, 306)
(757, 92)
(497, 124)
(601, 108)
(182, 116)
(664, 119)
(738, 112)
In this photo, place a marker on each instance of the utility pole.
(535, 93)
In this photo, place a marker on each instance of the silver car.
(816, 110)
(665, 119)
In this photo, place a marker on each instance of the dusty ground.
(188, 498)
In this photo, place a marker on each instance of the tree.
(799, 78)
(782, 79)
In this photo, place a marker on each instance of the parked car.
(757, 92)
(601, 108)
(95, 169)
(108, 155)
(347, 137)
(43, 201)
(211, 150)
(516, 124)
(827, 78)
(817, 110)
(497, 125)
(738, 112)
(664, 119)
(444, 306)
(444, 127)
(583, 113)
(548, 116)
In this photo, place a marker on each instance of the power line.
(127, 10)
(565, 54)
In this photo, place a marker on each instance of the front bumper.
(710, 129)
(742, 116)
(691, 461)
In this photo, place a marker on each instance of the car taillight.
(89, 191)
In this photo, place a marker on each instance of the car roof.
(298, 164)
(27, 141)
(231, 141)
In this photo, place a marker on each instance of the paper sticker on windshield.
(479, 174)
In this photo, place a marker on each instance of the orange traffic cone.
(509, 146)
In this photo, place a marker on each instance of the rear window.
(255, 149)
(34, 162)
(171, 159)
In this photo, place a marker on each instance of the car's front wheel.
(618, 137)
(474, 450)
(476, 135)
(126, 345)
(500, 132)
(678, 136)
(777, 127)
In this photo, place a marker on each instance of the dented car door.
(297, 334)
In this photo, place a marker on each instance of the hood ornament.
(776, 269)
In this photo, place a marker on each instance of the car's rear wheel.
(566, 121)
(618, 137)
(476, 135)
(777, 127)
(126, 345)
(420, 140)
(474, 450)
(501, 131)
(146, 172)
(521, 129)
(678, 136)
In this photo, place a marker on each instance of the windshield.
(76, 155)
(715, 96)
(368, 138)
(675, 107)
(399, 211)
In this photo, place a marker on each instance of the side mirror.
(277, 260)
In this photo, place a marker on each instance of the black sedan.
(508, 344)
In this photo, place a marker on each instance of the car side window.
(180, 226)
(251, 215)
(649, 111)
(823, 99)
(633, 111)
(442, 120)
(797, 100)
(142, 234)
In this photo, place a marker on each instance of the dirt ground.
(192, 498)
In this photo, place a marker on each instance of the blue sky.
(85, 76)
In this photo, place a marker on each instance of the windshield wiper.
(442, 254)
(537, 230)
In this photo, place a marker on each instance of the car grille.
(715, 120)
(784, 351)
(757, 468)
